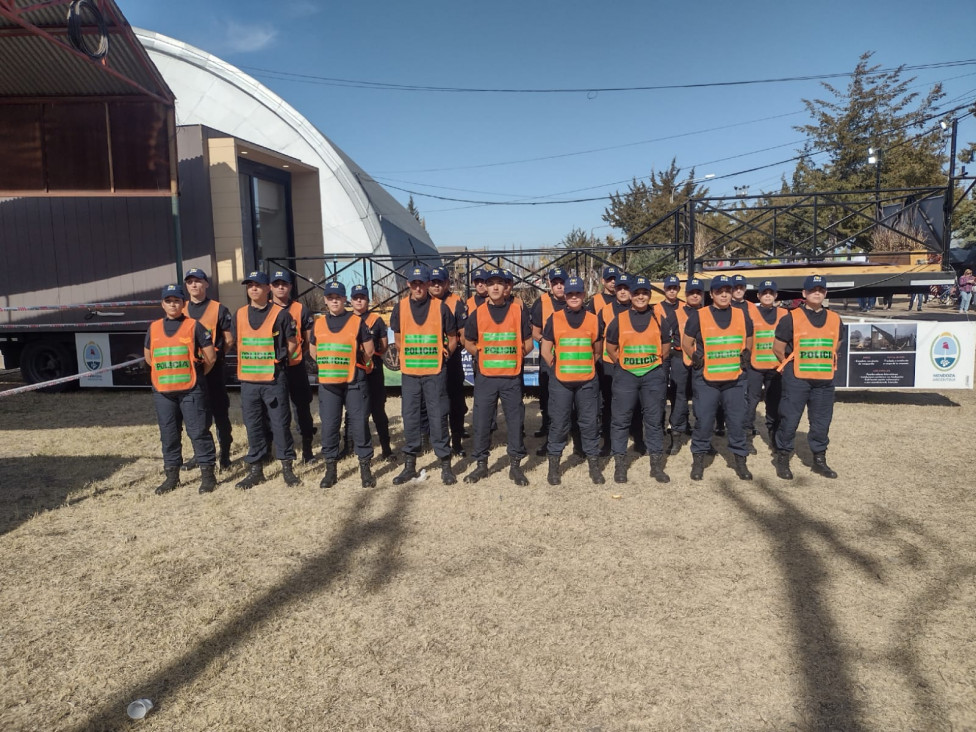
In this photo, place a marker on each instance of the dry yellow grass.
(816, 604)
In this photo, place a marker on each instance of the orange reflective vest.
(295, 310)
(763, 335)
(608, 314)
(208, 319)
(815, 349)
(682, 315)
(336, 353)
(574, 347)
(422, 350)
(723, 346)
(256, 348)
(638, 353)
(500, 344)
(173, 363)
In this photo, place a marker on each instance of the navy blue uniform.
(299, 389)
(535, 318)
(764, 385)
(216, 378)
(175, 409)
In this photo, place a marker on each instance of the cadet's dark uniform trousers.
(355, 398)
(376, 387)
(770, 382)
(679, 388)
(585, 397)
(431, 391)
(488, 391)
(708, 396)
(216, 389)
(629, 391)
(272, 396)
(455, 393)
(191, 408)
(817, 395)
(300, 393)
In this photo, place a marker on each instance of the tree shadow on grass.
(314, 577)
(31, 485)
(830, 701)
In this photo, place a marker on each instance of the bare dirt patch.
(816, 604)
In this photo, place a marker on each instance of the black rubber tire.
(44, 360)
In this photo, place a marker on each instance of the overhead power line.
(389, 86)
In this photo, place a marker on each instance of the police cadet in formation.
(764, 381)
(571, 344)
(265, 336)
(498, 336)
(180, 352)
(374, 376)
(679, 364)
(639, 346)
(542, 309)
(215, 319)
(344, 354)
(440, 287)
(427, 337)
(608, 294)
(807, 342)
(299, 390)
(719, 337)
(605, 312)
(480, 293)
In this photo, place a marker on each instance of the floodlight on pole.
(692, 182)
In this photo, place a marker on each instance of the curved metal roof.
(358, 215)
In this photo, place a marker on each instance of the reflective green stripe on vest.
(174, 379)
(498, 336)
(639, 360)
(571, 342)
(420, 338)
(248, 368)
(257, 341)
(171, 351)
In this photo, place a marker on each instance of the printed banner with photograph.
(893, 354)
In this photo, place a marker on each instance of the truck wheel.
(46, 360)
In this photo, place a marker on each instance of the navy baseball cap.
(196, 272)
(815, 281)
(438, 273)
(767, 285)
(172, 291)
(609, 272)
(257, 277)
(575, 284)
(738, 280)
(624, 280)
(420, 273)
(719, 282)
(672, 281)
(359, 290)
(479, 274)
(640, 283)
(281, 274)
(509, 277)
(496, 273)
(695, 284)
(557, 274)
(335, 288)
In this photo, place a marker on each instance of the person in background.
(541, 310)
(679, 366)
(966, 282)
(763, 379)
(374, 376)
(299, 390)
(215, 318)
(440, 287)
(180, 352)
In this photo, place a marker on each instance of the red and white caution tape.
(66, 379)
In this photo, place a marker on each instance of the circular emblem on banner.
(93, 356)
(945, 352)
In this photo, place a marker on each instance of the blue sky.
(557, 146)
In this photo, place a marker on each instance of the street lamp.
(874, 158)
(692, 182)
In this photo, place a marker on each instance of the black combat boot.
(409, 471)
(387, 453)
(287, 475)
(677, 440)
(543, 449)
(619, 468)
(820, 465)
(657, 468)
(697, 465)
(224, 459)
(330, 478)
(740, 467)
(365, 474)
(782, 462)
(457, 446)
(480, 471)
(171, 482)
(596, 474)
(190, 464)
(447, 474)
(308, 452)
(208, 481)
(515, 473)
(255, 475)
(553, 476)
